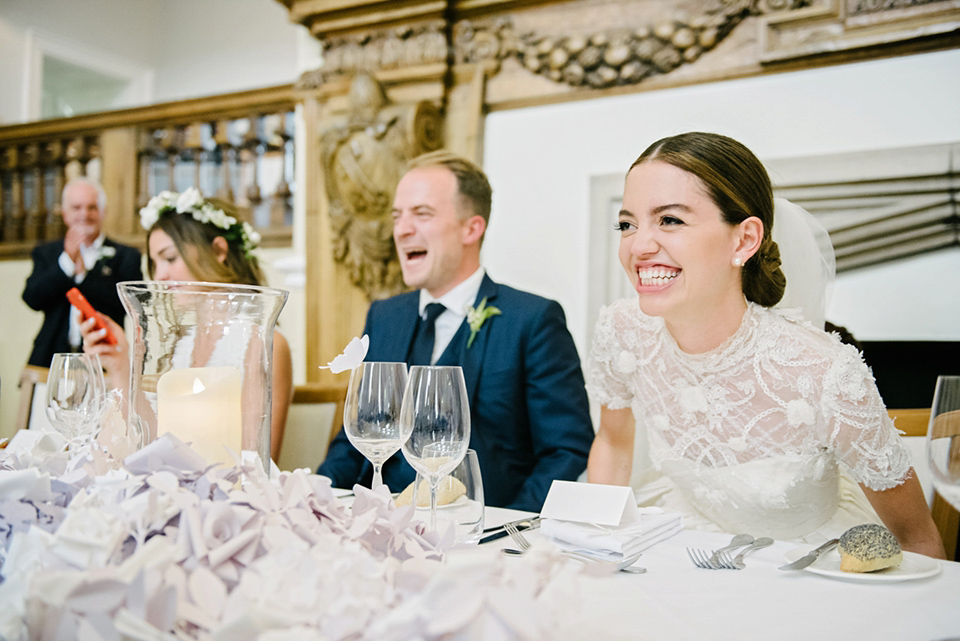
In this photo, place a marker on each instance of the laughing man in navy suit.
(84, 259)
(530, 421)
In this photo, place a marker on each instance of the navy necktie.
(421, 352)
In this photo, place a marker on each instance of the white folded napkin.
(614, 543)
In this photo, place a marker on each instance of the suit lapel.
(471, 360)
(404, 330)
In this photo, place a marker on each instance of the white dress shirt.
(457, 301)
(90, 255)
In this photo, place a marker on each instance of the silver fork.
(736, 563)
(710, 561)
(517, 537)
(700, 558)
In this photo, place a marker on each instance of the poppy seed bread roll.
(868, 548)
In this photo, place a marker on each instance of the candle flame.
(198, 386)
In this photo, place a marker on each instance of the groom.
(530, 422)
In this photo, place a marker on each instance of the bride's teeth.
(655, 276)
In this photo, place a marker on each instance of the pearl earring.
(736, 261)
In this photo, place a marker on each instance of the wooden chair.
(31, 377)
(914, 423)
(314, 419)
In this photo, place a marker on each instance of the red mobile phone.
(79, 301)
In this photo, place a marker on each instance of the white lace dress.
(758, 435)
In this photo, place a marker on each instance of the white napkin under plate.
(614, 543)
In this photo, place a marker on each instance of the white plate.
(913, 566)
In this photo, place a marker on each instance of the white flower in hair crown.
(192, 202)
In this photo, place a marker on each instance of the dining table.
(164, 542)
(676, 601)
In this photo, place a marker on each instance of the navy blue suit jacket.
(530, 421)
(46, 291)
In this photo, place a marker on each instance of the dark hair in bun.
(738, 184)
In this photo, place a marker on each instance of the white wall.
(219, 46)
(192, 47)
(540, 161)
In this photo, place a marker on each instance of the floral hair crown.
(191, 202)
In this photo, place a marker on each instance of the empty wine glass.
(943, 439)
(75, 395)
(371, 412)
(436, 415)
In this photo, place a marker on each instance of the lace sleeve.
(610, 364)
(859, 430)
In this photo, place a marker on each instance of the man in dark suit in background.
(84, 259)
(530, 421)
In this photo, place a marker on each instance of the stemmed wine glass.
(943, 439)
(76, 393)
(371, 412)
(436, 415)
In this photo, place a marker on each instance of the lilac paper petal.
(162, 608)
(19, 484)
(191, 525)
(232, 547)
(98, 595)
(207, 591)
(96, 627)
(133, 628)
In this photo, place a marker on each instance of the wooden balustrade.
(237, 147)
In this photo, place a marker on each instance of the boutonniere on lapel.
(477, 317)
(105, 252)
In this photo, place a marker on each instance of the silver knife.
(498, 532)
(810, 556)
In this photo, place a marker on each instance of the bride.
(756, 419)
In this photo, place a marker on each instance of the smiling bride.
(757, 420)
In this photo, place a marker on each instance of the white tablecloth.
(676, 601)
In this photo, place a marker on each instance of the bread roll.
(449, 489)
(868, 548)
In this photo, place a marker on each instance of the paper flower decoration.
(353, 354)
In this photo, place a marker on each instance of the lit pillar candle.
(201, 405)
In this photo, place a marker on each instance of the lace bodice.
(753, 431)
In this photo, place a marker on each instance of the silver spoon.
(623, 565)
(737, 541)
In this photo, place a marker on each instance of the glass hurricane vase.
(202, 365)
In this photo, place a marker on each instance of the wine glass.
(436, 415)
(943, 439)
(371, 412)
(75, 395)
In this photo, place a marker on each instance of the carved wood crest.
(363, 160)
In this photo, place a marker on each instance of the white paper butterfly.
(353, 354)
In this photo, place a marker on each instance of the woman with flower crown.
(190, 238)
(755, 420)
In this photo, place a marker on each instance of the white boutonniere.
(477, 317)
(106, 251)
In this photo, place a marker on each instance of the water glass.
(943, 439)
(465, 513)
(76, 394)
(371, 413)
(436, 415)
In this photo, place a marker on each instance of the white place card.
(611, 505)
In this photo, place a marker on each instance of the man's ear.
(751, 235)
(473, 229)
(220, 248)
